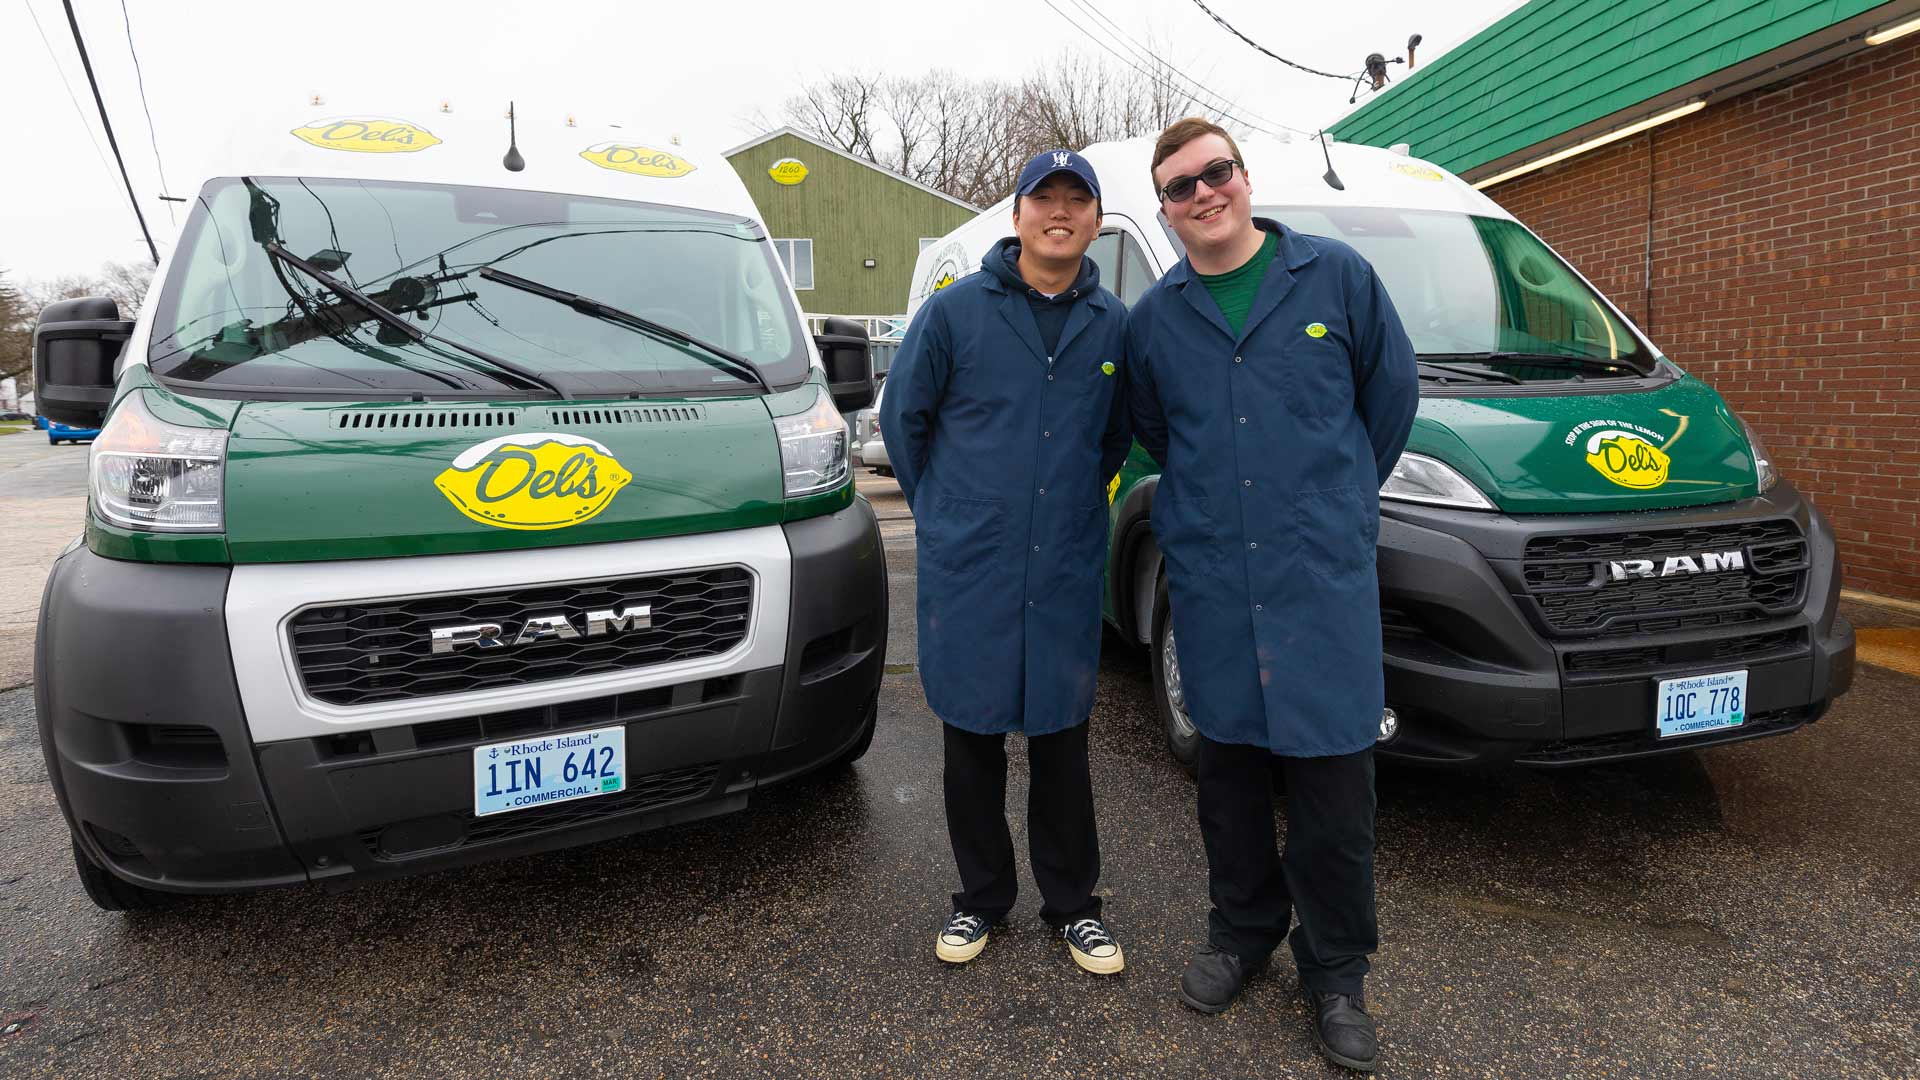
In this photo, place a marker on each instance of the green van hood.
(317, 480)
(1678, 445)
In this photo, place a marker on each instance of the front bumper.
(153, 760)
(1476, 677)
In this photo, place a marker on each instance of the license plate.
(1700, 703)
(549, 769)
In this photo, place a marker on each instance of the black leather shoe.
(1214, 977)
(1343, 1030)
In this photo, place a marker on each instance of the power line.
(62, 72)
(1158, 61)
(141, 78)
(1161, 79)
(107, 126)
(1201, 4)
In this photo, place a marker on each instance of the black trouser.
(1060, 831)
(1325, 875)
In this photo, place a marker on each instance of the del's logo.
(788, 171)
(367, 135)
(539, 480)
(638, 160)
(1623, 452)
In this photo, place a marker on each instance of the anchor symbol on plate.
(494, 753)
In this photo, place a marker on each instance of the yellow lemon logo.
(367, 135)
(1419, 172)
(1627, 459)
(788, 171)
(1113, 488)
(1107, 367)
(539, 480)
(1316, 329)
(638, 160)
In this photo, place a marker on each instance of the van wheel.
(1169, 695)
(109, 893)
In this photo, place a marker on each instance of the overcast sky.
(687, 67)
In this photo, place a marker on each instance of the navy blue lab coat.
(1274, 443)
(1003, 453)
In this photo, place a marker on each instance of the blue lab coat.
(1274, 443)
(1003, 452)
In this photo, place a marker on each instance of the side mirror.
(844, 352)
(76, 346)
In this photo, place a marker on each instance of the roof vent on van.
(641, 414)
(364, 419)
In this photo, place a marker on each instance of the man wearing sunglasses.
(1271, 378)
(1005, 416)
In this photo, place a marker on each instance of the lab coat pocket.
(962, 535)
(1188, 536)
(1337, 533)
(1319, 377)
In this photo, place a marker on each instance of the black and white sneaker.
(961, 939)
(1093, 946)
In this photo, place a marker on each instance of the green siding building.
(1555, 74)
(849, 230)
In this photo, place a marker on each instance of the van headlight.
(1763, 469)
(1418, 478)
(813, 448)
(144, 473)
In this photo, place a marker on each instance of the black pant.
(1325, 875)
(1061, 834)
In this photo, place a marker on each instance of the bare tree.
(124, 283)
(968, 137)
(16, 334)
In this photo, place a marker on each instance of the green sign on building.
(847, 229)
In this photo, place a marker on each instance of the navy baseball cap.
(1048, 162)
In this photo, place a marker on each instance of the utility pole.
(108, 125)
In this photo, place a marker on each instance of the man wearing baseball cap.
(1005, 414)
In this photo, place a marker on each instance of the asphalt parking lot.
(1752, 911)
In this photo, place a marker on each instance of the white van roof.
(415, 141)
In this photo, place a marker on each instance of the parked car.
(542, 533)
(872, 450)
(1583, 555)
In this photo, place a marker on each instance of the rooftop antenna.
(513, 161)
(1332, 178)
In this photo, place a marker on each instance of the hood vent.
(364, 419)
(640, 414)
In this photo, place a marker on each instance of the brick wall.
(1785, 229)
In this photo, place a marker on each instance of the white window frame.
(928, 241)
(787, 248)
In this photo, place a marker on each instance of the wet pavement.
(1752, 911)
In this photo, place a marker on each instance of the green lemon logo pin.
(1317, 329)
(1107, 367)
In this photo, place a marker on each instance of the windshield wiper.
(1428, 371)
(398, 322)
(1538, 359)
(724, 359)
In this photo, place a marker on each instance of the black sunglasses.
(1180, 188)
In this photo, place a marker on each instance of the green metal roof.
(1553, 66)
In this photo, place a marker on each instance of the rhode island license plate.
(548, 769)
(1700, 703)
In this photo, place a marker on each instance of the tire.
(1183, 739)
(109, 893)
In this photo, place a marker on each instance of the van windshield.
(1481, 290)
(235, 317)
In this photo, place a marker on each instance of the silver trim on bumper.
(262, 598)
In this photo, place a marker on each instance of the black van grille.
(1567, 578)
(381, 650)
